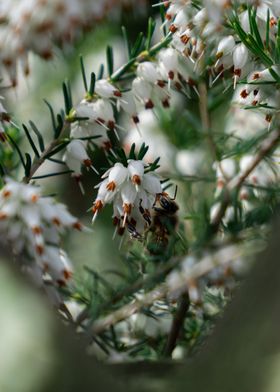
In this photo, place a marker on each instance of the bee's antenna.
(175, 193)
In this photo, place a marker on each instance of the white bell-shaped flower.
(226, 46)
(106, 90)
(136, 171)
(143, 91)
(148, 71)
(240, 58)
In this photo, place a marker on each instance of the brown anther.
(98, 205)
(3, 137)
(160, 83)
(26, 70)
(184, 39)
(6, 194)
(44, 27)
(61, 283)
(135, 119)
(37, 230)
(136, 179)
(244, 94)
(116, 221)
(165, 103)
(111, 186)
(219, 55)
(77, 177)
(255, 92)
(3, 215)
(237, 72)
(100, 121)
(272, 22)
(127, 208)
(256, 76)
(173, 28)
(34, 198)
(149, 104)
(268, 118)
(67, 274)
(7, 62)
(171, 75)
(87, 162)
(117, 93)
(47, 54)
(191, 82)
(111, 125)
(40, 249)
(5, 117)
(56, 221)
(78, 226)
(107, 145)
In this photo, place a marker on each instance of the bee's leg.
(133, 232)
(175, 193)
(146, 215)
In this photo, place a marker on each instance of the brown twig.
(234, 185)
(206, 124)
(221, 257)
(133, 288)
(177, 324)
(205, 118)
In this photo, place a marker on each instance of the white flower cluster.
(176, 66)
(224, 266)
(98, 115)
(258, 94)
(37, 25)
(266, 174)
(193, 32)
(155, 78)
(150, 82)
(197, 32)
(132, 192)
(33, 225)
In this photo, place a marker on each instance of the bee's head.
(165, 205)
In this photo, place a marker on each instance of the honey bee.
(162, 222)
